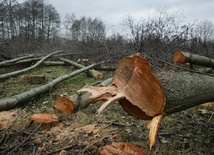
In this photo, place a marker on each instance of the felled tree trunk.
(10, 62)
(10, 102)
(146, 95)
(93, 73)
(7, 75)
(185, 90)
(182, 90)
(184, 57)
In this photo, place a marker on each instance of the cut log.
(93, 73)
(186, 57)
(82, 99)
(149, 96)
(164, 92)
(185, 90)
(53, 63)
(8, 103)
(7, 75)
(33, 79)
(12, 61)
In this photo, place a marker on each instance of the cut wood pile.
(141, 92)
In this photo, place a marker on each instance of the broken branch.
(7, 75)
(7, 103)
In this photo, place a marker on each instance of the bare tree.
(160, 36)
(204, 31)
(85, 29)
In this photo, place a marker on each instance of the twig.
(25, 139)
(58, 150)
(180, 66)
(210, 117)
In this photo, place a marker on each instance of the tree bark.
(184, 57)
(93, 73)
(182, 90)
(10, 62)
(7, 75)
(185, 90)
(53, 63)
(7, 103)
(146, 95)
(81, 100)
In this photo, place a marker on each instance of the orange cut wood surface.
(45, 118)
(64, 105)
(121, 148)
(133, 110)
(141, 88)
(153, 127)
(179, 57)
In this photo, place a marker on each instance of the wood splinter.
(110, 101)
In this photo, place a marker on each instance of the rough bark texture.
(93, 73)
(7, 103)
(183, 57)
(10, 62)
(184, 90)
(7, 75)
(81, 100)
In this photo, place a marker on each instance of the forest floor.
(190, 132)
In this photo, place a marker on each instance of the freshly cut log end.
(179, 57)
(184, 57)
(134, 78)
(44, 118)
(96, 74)
(64, 105)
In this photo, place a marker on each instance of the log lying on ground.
(9, 62)
(95, 74)
(10, 102)
(148, 96)
(184, 57)
(7, 75)
(81, 100)
(53, 63)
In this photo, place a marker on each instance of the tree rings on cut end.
(179, 57)
(141, 88)
(64, 105)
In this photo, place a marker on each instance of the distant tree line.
(32, 20)
(87, 30)
(160, 36)
(36, 26)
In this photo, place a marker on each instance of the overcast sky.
(113, 12)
